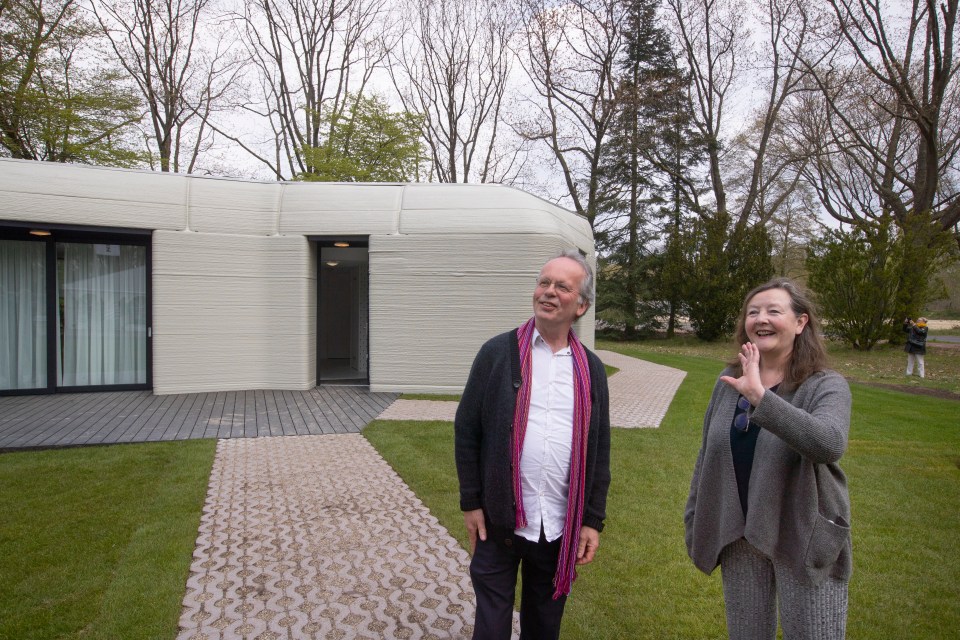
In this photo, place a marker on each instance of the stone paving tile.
(317, 537)
(420, 410)
(640, 394)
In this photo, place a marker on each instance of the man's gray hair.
(586, 285)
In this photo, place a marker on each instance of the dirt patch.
(906, 388)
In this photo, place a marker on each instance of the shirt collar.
(538, 340)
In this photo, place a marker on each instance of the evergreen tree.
(724, 263)
(634, 184)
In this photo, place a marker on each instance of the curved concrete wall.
(234, 275)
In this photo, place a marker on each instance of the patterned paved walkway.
(640, 394)
(317, 537)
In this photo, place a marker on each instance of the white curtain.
(104, 305)
(23, 315)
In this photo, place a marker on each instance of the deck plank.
(36, 416)
(69, 419)
(123, 422)
(207, 402)
(100, 429)
(323, 414)
(71, 416)
(292, 403)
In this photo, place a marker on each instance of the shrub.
(854, 277)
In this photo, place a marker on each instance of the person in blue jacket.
(916, 346)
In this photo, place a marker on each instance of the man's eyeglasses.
(562, 287)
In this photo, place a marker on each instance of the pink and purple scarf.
(566, 565)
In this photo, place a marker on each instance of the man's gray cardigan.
(483, 428)
(798, 507)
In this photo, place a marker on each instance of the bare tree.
(451, 66)
(787, 204)
(311, 56)
(570, 54)
(724, 59)
(885, 122)
(180, 79)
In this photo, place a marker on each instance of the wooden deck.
(139, 416)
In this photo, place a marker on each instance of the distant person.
(916, 346)
(532, 444)
(768, 501)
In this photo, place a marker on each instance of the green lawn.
(884, 364)
(96, 542)
(905, 482)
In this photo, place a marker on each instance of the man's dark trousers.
(494, 574)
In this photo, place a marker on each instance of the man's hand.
(475, 527)
(589, 542)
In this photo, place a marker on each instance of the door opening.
(342, 312)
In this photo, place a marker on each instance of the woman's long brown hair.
(809, 352)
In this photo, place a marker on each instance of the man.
(533, 458)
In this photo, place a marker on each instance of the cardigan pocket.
(826, 544)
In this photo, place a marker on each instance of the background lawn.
(902, 465)
(96, 542)
(883, 365)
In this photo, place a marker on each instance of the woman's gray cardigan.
(798, 507)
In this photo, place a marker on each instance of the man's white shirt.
(545, 460)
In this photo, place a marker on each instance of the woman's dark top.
(743, 444)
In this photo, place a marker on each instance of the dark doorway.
(342, 311)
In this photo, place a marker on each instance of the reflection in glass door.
(23, 315)
(101, 314)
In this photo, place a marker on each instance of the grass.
(430, 396)
(883, 365)
(96, 542)
(903, 465)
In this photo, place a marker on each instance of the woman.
(916, 346)
(768, 502)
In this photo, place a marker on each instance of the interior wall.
(342, 330)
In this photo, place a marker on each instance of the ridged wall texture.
(235, 273)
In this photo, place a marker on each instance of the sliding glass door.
(102, 314)
(97, 295)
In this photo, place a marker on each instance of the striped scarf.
(566, 565)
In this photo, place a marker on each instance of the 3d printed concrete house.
(117, 279)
